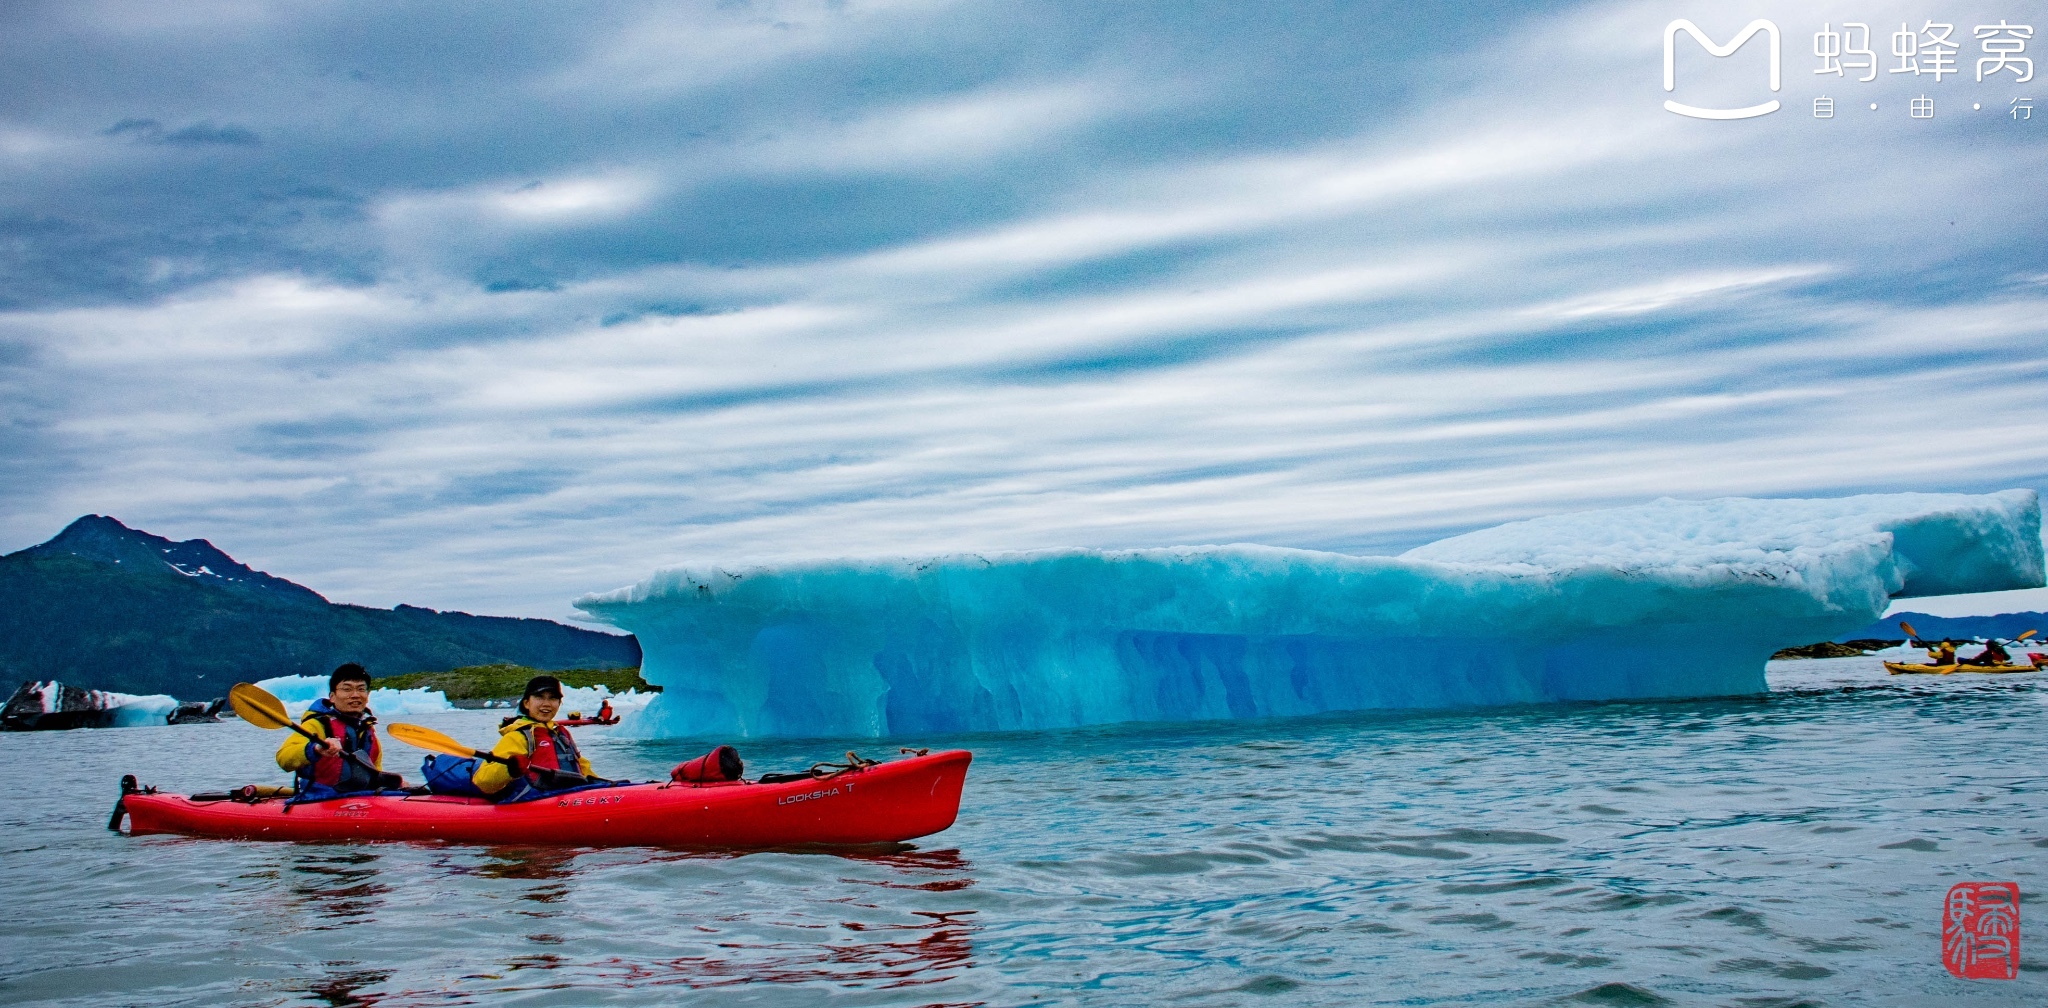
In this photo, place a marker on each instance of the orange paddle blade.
(254, 704)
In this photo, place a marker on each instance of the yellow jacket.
(491, 778)
(292, 754)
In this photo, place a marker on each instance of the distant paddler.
(1942, 652)
(1994, 652)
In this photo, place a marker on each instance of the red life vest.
(550, 749)
(336, 771)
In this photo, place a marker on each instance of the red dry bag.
(720, 764)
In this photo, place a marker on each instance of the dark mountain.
(2008, 626)
(104, 606)
(104, 540)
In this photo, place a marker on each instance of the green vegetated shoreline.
(506, 682)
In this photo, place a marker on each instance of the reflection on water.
(934, 948)
(950, 869)
(538, 863)
(336, 886)
(865, 944)
(554, 866)
(338, 990)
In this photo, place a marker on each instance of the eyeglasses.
(362, 688)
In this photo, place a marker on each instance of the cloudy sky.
(487, 306)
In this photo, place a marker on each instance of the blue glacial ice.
(132, 711)
(1669, 599)
(299, 692)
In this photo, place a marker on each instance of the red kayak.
(877, 803)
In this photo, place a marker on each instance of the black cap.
(542, 684)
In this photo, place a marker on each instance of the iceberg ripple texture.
(1669, 599)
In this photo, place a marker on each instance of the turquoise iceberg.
(1669, 599)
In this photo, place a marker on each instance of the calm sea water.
(1791, 849)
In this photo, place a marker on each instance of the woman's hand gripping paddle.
(254, 704)
(433, 741)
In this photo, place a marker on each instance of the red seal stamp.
(1980, 930)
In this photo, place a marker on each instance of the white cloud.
(257, 317)
(24, 144)
(683, 46)
(936, 133)
(1222, 200)
(425, 218)
(571, 199)
(1672, 292)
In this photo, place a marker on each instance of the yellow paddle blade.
(1908, 627)
(2024, 636)
(254, 704)
(429, 739)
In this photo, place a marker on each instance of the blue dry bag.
(450, 775)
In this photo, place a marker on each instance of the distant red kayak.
(881, 803)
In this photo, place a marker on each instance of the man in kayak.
(1994, 653)
(1943, 653)
(543, 756)
(347, 758)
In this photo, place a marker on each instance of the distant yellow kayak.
(1904, 668)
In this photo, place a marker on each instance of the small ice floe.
(46, 706)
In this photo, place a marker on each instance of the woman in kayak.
(543, 756)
